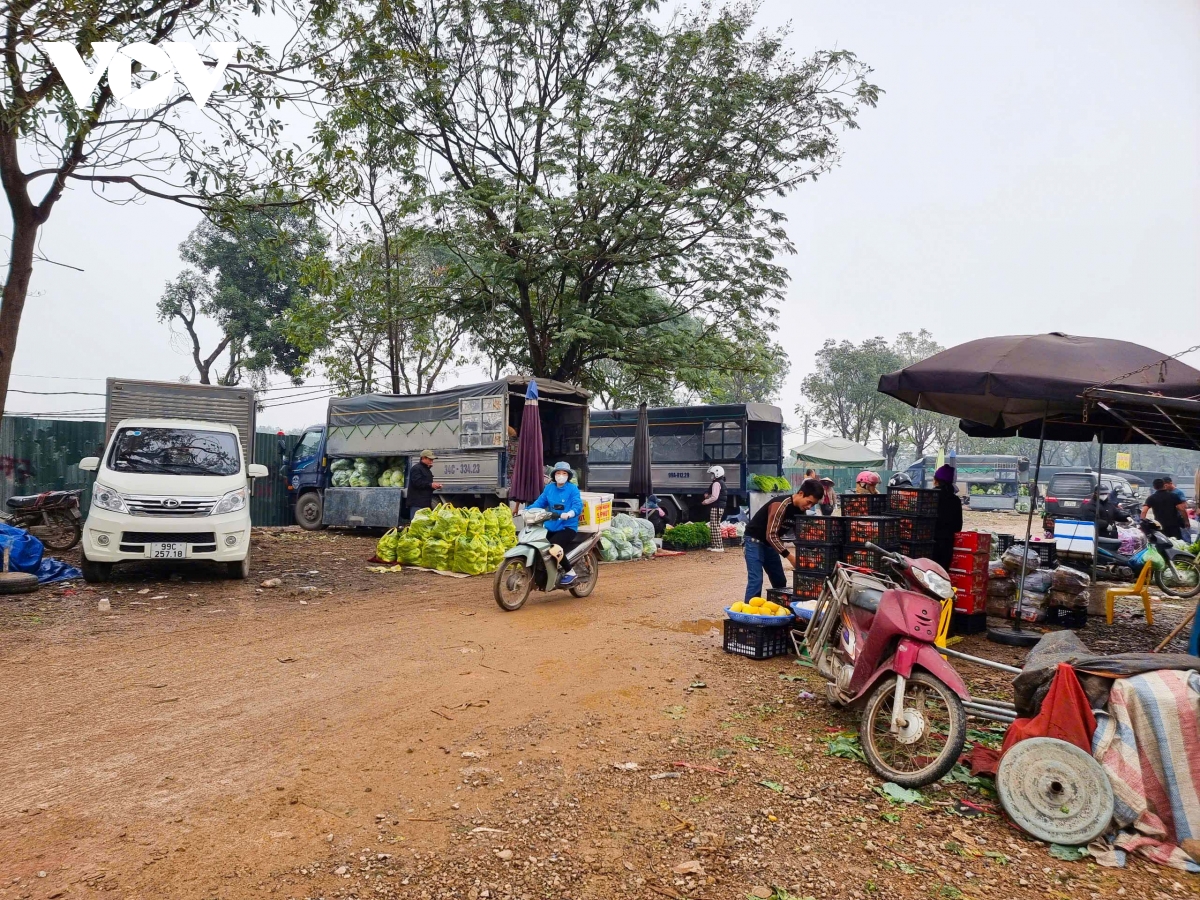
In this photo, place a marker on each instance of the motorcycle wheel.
(931, 744)
(585, 581)
(514, 581)
(1185, 584)
(60, 532)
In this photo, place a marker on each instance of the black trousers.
(568, 539)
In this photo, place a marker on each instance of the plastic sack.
(408, 549)
(475, 524)
(1068, 600)
(495, 552)
(1072, 581)
(623, 521)
(385, 549)
(470, 555)
(1038, 582)
(449, 524)
(644, 530)
(997, 569)
(1132, 540)
(1012, 558)
(1005, 588)
(1033, 607)
(649, 548)
(422, 522)
(1150, 555)
(608, 552)
(437, 553)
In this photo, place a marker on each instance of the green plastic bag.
(1152, 556)
(385, 550)
(408, 549)
(470, 555)
(421, 524)
(437, 554)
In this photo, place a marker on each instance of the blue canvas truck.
(472, 429)
(745, 438)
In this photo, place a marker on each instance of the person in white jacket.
(716, 501)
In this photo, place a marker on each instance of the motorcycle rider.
(866, 483)
(562, 497)
(715, 501)
(1108, 513)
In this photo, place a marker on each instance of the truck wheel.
(95, 572)
(308, 511)
(239, 570)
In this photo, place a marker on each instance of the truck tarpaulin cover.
(398, 409)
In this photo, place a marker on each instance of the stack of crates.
(916, 511)
(867, 522)
(820, 544)
(969, 577)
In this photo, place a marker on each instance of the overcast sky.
(1031, 167)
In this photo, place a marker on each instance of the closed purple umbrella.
(528, 477)
(641, 479)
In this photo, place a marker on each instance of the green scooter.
(535, 562)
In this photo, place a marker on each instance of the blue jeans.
(759, 556)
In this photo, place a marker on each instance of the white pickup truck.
(175, 479)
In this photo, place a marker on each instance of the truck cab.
(307, 476)
(169, 490)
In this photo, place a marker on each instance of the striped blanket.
(1149, 743)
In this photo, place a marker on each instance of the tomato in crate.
(881, 530)
(864, 558)
(820, 529)
(917, 549)
(806, 587)
(817, 559)
(864, 504)
(913, 501)
(916, 528)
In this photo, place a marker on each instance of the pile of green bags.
(365, 471)
(627, 538)
(470, 541)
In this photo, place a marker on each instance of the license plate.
(173, 550)
(1071, 504)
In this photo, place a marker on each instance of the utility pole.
(806, 428)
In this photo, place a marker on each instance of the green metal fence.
(843, 477)
(43, 455)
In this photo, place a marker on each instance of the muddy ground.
(352, 734)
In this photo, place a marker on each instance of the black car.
(1070, 495)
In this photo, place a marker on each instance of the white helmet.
(717, 471)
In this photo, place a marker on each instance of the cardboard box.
(1073, 536)
(597, 512)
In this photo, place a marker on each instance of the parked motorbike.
(535, 562)
(873, 639)
(52, 517)
(1179, 577)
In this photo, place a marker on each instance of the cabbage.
(608, 550)
(341, 478)
(385, 550)
(341, 465)
(408, 549)
(470, 555)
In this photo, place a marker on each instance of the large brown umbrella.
(1004, 383)
(641, 480)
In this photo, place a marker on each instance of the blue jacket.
(568, 497)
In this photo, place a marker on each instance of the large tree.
(608, 173)
(48, 142)
(251, 269)
(843, 390)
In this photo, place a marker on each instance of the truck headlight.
(106, 498)
(231, 502)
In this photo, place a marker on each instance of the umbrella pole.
(1096, 508)
(1017, 636)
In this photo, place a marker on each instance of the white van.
(171, 490)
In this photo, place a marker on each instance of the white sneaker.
(716, 549)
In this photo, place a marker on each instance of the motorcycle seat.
(866, 598)
(1112, 544)
(48, 499)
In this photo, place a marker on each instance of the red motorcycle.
(873, 639)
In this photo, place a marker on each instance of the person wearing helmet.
(866, 483)
(716, 500)
(900, 480)
(1108, 513)
(562, 497)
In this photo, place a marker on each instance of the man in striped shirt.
(764, 536)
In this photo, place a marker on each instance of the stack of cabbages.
(470, 541)
(364, 471)
(628, 538)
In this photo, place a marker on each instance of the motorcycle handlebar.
(887, 554)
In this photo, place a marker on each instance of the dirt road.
(355, 734)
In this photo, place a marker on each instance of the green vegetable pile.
(688, 536)
(470, 541)
(770, 484)
(627, 538)
(363, 471)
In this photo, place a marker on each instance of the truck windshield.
(175, 451)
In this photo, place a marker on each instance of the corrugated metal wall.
(43, 455)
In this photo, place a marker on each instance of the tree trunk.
(16, 287)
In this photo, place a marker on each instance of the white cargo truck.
(174, 482)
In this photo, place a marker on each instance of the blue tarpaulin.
(25, 555)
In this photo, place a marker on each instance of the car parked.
(1070, 495)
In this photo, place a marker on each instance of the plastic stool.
(1140, 589)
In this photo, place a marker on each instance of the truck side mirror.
(89, 464)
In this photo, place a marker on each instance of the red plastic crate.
(974, 542)
(965, 561)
